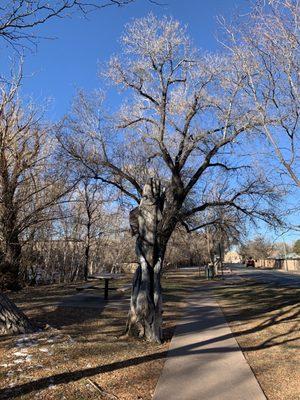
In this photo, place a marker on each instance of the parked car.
(250, 262)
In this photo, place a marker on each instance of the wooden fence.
(292, 264)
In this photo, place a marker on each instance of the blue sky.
(81, 46)
(71, 61)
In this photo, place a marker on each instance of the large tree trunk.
(10, 265)
(12, 319)
(145, 315)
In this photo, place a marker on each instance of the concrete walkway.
(269, 276)
(204, 360)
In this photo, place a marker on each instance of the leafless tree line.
(267, 46)
(176, 147)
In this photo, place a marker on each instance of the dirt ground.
(266, 323)
(81, 355)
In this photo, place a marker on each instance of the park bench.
(124, 288)
(87, 286)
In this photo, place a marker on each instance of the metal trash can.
(209, 271)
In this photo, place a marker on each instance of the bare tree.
(296, 247)
(267, 45)
(257, 248)
(20, 18)
(174, 148)
(90, 216)
(30, 185)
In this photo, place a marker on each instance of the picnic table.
(106, 277)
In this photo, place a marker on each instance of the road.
(286, 279)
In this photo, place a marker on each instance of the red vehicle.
(250, 262)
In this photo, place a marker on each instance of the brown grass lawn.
(81, 355)
(266, 323)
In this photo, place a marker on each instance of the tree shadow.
(67, 377)
(257, 306)
(83, 307)
(272, 304)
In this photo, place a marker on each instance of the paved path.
(271, 277)
(204, 360)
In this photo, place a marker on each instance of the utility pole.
(285, 258)
(220, 255)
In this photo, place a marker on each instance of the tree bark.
(10, 265)
(12, 319)
(145, 314)
(87, 253)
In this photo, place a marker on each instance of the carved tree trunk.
(145, 315)
(12, 319)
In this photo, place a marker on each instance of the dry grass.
(265, 321)
(81, 355)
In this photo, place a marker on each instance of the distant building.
(232, 257)
(288, 256)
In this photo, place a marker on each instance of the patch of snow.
(26, 342)
(44, 350)
(22, 353)
(18, 361)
